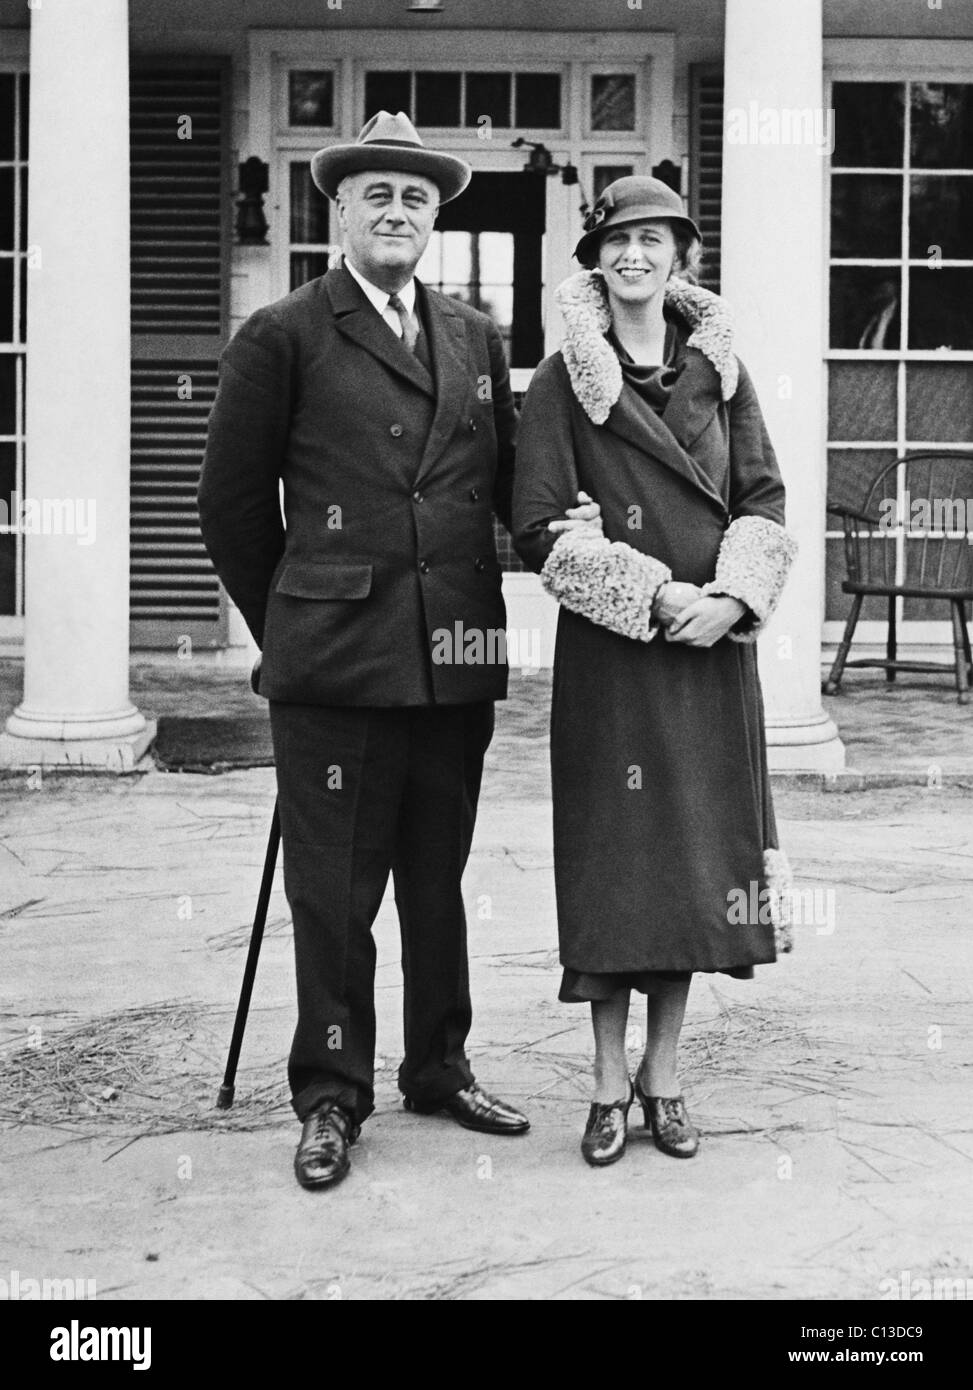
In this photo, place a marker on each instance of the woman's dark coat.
(662, 804)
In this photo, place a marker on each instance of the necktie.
(410, 329)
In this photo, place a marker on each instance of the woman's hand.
(703, 622)
(671, 598)
(586, 516)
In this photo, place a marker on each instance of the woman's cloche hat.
(390, 142)
(631, 199)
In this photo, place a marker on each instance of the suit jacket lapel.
(450, 359)
(356, 319)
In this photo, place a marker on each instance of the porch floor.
(913, 731)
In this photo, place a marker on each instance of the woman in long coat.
(666, 857)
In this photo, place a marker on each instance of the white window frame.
(16, 59)
(892, 60)
(652, 54)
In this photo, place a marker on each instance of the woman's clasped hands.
(690, 616)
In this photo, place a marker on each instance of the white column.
(76, 709)
(774, 277)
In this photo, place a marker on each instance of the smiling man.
(386, 411)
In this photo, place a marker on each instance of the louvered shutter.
(706, 164)
(180, 242)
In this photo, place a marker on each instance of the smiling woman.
(662, 808)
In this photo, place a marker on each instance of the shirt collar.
(379, 298)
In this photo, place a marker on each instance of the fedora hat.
(634, 198)
(390, 142)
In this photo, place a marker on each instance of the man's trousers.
(366, 792)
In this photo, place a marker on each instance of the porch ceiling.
(687, 18)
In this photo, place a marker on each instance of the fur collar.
(594, 368)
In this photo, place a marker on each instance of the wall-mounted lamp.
(251, 224)
(541, 161)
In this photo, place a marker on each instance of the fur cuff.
(777, 872)
(608, 582)
(753, 563)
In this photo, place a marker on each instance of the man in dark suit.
(386, 411)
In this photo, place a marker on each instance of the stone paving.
(833, 1090)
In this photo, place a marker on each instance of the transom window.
(463, 100)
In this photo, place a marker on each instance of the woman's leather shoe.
(474, 1108)
(322, 1155)
(673, 1131)
(606, 1131)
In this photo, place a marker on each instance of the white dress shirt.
(380, 300)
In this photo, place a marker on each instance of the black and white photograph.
(486, 737)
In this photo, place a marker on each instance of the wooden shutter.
(180, 244)
(706, 164)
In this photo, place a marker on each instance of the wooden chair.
(937, 520)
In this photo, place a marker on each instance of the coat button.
(423, 566)
(472, 427)
(479, 565)
(474, 494)
(395, 431)
(417, 496)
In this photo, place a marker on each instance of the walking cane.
(225, 1098)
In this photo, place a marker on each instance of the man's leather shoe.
(474, 1108)
(322, 1155)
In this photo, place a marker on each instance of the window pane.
(8, 393)
(864, 308)
(8, 477)
(851, 473)
(942, 560)
(437, 98)
(862, 400)
(866, 215)
(941, 215)
(538, 101)
(608, 173)
(6, 311)
(23, 208)
(311, 98)
(387, 91)
(836, 601)
(307, 265)
(869, 124)
(942, 125)
(939, 402)
(309, 208)
(24, 112)
(488, 94)
(941, 309)
(6, 209)
(8, 563)
(613, 102)
(6, 115)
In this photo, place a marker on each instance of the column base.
(115, 743)
(804, 744)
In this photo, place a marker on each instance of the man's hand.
(703, 622)
(671, 598)
(586, 516)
